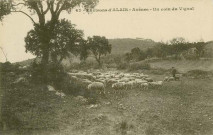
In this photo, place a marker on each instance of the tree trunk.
(45, 57)
(98, 59)
(44, 63)
(99, 62)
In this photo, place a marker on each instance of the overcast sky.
(156, 25)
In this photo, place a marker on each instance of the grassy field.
(177, 108)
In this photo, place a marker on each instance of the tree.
(149, 52)
(83, 50)
(200, 48)
(65, 39)
(99, 46)
(5, 8)
(128, 57)
(177, 40)
(41, 8)
(138, 54)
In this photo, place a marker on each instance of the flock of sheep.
(96, 80)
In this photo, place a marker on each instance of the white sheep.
(149, 79)
(99, 86)
(61, 94)
(130, 84)
(125, 79)
(86, 81)
(118, 85)
(156, 84)
(74, 77)
(140, 81)
(168, 79)
(144, 85)
(111, 81)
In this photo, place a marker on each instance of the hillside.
(124, 45)
(209, 45)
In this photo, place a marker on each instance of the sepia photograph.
(106, 67)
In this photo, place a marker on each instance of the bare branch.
(5, 55)
(48, 7)
(58, 6)
(26, 15)
(41, 6)
(62, 8)
(51, 6)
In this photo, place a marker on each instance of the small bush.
(122, 65)
(53, 74)
(198, 74)
(8, 67)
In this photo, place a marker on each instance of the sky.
(193, 25)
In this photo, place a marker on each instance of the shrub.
(123, 65)
(53, 75)
(8, 67)
(198, 73)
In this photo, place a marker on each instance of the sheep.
(149, 79)
(130, 84)
(61, 94)
(111, 81)
(86, 81)
(74, 77)
(144, 85)
(97, 86)
(124, 79)
(140, 81)
(166, 78)
(102, 81)
(118, 85)
(156, 84)
(50, 88)
(169, 79)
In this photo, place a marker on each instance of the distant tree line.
(177, 48)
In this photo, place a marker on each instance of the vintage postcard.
(106, 67)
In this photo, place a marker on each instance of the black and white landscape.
(97, 67)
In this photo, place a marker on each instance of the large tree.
(99, 46)
(65, 39)
(41, 8)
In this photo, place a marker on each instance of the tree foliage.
(99, 46)
(65, 39)
(5, 7)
